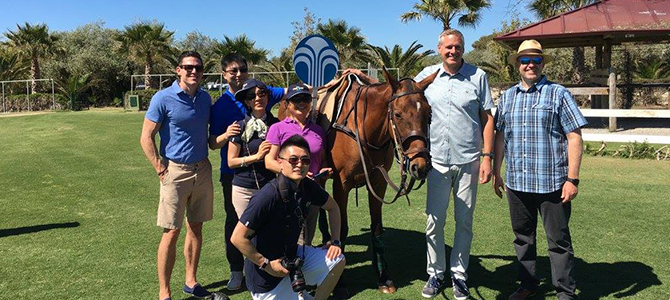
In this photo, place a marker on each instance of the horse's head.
(410, 113)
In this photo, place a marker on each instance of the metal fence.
(10, 87)
(165, 80)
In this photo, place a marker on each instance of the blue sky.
(266, 22)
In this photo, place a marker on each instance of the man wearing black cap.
(225, 113)
(538, 131)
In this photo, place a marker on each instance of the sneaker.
(197, 291)
(521, 293)
(432, 287)
(235, 282)
(461, 291)
(305, 296)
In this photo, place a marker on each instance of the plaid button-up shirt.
(534, 123)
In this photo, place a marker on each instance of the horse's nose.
(414, 170)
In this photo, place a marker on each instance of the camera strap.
(285, 193)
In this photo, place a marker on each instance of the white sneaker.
(305, 296)
(235, 282)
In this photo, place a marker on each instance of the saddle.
(331, 99)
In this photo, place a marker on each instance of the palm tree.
(408, 62)
(72, 88)
(277, 69)
(445, 11)
(241, 45)
(36, 42)
(147, 43)
(11, 65)
(549, 8)
(349, 41)
(651, 68)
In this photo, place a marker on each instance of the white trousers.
(443, 182)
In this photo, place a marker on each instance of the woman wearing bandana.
(246, 151)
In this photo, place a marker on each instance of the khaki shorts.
(186, 187)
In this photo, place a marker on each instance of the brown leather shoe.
(521, 294)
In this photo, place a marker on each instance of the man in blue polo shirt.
(223, 125)
(180, 115)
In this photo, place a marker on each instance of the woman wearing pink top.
(297, 122)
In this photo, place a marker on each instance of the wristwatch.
(336, 243)
(574, 181)
(489, 154)
(264, 264)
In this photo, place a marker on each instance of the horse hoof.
(387, 288)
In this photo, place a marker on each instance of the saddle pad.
(327, 102)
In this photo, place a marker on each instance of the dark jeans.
(523, 209)
(234, 256)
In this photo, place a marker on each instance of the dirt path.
(21, 114)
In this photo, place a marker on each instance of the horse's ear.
(423, 84)
(390, 79)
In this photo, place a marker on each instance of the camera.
(294, 265)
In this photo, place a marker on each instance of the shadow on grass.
(406, 256)
(35, 228)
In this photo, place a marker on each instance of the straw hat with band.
(530, 48)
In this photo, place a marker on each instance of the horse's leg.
(384, 283)
(340, 196)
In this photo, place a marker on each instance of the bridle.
(403, 157)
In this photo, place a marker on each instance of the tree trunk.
(148, 68)
(579, 69)
(34, 73)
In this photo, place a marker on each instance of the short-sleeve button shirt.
(456, 102)
(184, 120)
(534, 123)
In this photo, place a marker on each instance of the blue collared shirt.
(226, 110)
(534, 123)
(456, 102)
(183, 129)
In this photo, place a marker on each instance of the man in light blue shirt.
(461, 104)
(180, 115)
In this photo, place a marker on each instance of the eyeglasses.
(236, 70)
(537, 60)
(251, 95)
(301, 99)
(293, 160)
(190, 68)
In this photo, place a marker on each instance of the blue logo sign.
(315, 60)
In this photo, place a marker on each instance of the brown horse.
(374, 121)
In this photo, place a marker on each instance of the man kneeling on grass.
(268, 230)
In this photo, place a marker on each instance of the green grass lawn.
(79, 199)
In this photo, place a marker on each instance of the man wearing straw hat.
(538, 130)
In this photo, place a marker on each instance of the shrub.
(38, 101)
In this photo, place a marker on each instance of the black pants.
(234, 256)
(523, 209)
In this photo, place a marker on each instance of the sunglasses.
(251, 95)
(537, 60)
(190, 68)
(301, 99)
(235, 71)
(293, 160)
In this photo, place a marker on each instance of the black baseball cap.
(249, 85)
